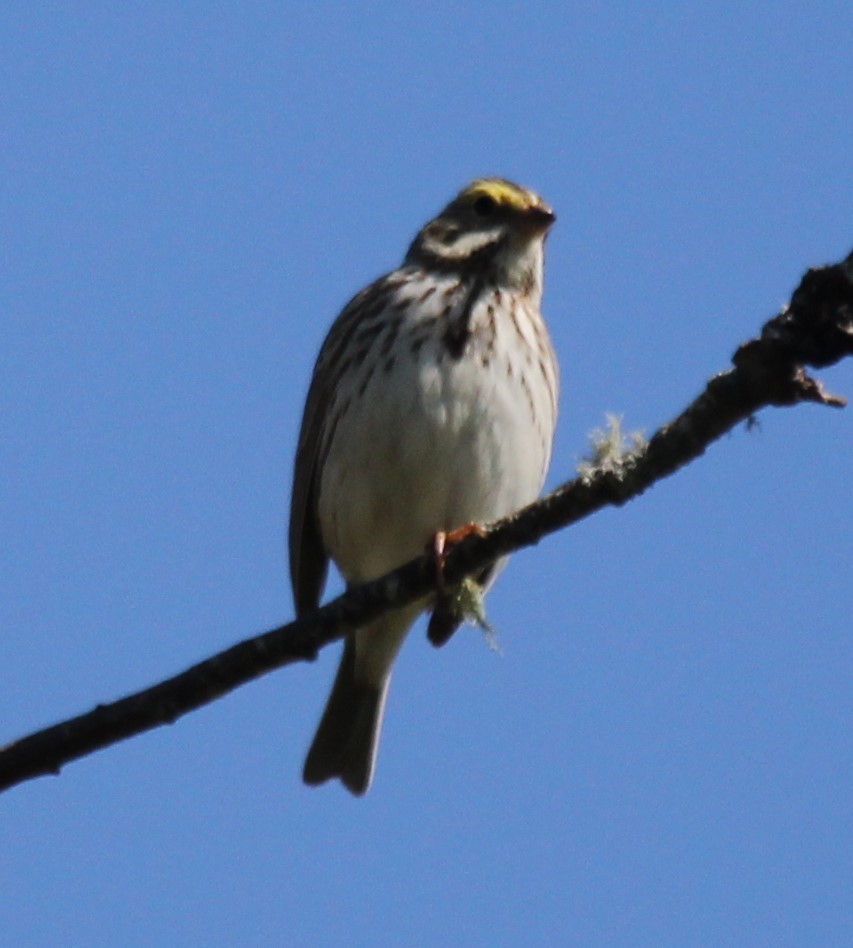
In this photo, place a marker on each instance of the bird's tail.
(348, 734)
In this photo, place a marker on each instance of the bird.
(432, 406)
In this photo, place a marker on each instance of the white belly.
(431, 446)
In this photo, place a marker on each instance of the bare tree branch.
(815, 329)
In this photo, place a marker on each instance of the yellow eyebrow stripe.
(502, 192)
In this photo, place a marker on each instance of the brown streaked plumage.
(432, 405)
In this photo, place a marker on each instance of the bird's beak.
(537, 220)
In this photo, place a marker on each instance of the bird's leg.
(442, 540)
(448, 610)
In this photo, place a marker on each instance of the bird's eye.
(484, 206)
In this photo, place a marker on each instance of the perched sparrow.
(432, 406)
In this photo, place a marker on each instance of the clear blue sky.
(662, 755)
